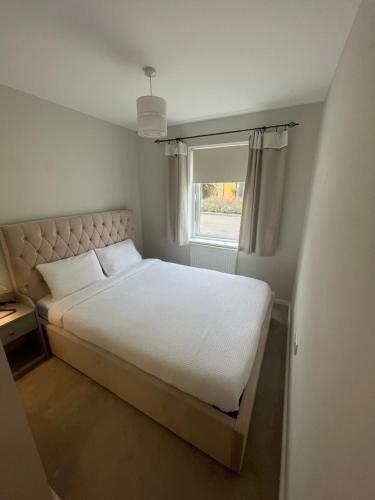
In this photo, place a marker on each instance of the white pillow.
(118, 257)
(66, 276)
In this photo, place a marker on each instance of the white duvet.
(195, 329)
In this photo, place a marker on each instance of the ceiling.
(214, 57)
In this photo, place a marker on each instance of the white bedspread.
(197, 330)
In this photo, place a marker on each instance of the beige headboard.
(28, 244)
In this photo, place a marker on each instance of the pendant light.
(151, 112)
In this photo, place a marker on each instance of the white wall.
(331, 443)
(55, 161)
(278, 270)
(21, 473)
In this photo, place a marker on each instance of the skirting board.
(285, 430)
(217, 434)
(282, 302)
(54, 495)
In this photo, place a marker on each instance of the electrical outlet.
(295, 342)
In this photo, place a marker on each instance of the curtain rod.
(290, 125)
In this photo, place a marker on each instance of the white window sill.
(214, 243)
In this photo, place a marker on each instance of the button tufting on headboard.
(28, 244)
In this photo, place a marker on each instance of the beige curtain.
(261, 211)
(177, 198)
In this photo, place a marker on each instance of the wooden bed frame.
(219, 435)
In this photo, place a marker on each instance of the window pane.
(220, 209)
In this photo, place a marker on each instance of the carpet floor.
(94, 446)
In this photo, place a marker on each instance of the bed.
(183, 345)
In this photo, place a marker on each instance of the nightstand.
(23, 339)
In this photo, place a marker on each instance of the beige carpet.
(94, 446)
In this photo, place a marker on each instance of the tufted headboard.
(28, 244)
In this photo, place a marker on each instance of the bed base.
(217, 434)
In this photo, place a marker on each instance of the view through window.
(218, 209)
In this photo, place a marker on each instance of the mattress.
(195, 329)
(43, 305)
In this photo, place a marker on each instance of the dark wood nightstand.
(23, 339)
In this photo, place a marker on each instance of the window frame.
(195, 198)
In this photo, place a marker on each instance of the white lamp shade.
(152, 116)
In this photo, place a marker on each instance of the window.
(217, 185)
(218, 208)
